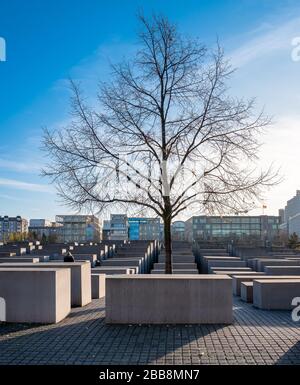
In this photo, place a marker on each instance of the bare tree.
(164, 135)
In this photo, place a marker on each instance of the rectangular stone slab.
(98, 286)
(224, 269)
(35, 295)
(114, 270)
(176, 271)
(92, 258)
(247, 291)
(238, 279)
(168, 299)
(144, 261)
(276, 294)
(205, 259)
(178, 259)
(213, 252)
(19, 259)
(253, 262)
(282, 270)
(81, 292)
(4, 254)
(221, 264)
(237, 272)
(123, 263)
(175, 266)
(42, 258)
(261, 264)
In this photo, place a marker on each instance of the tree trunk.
(168, 245)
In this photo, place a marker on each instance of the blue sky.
(49, 41)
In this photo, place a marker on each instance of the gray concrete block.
(98, 286)
(177, 271)
(282, 270)
(224, 269)
(238, 272)
(253, 262)
(220, 264)
(247, 291)
(231, 273)
(43, 258)
(238, 279)
(168, 299)
(261, 264)
(211, 252)
(92, 258)
(19, 259)
(133, 262)
(205, 259)
(6, 254)
(35, 295)
(275, 294)
(176, 266)
(81, 292)
(178, 259)
(114, 270)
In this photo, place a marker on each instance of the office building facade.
(261, 228)
(291, 215)
(78, 228)
(117, 228)
(144, 228)
(178, 231)
(294, 225)
(39, 228)
(106, 229)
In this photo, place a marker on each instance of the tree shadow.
(77, 340)
(84, 338)
(291, 357)
(246, 314)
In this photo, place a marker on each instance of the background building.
(39, 228)
(120, 227)
(281, 215)
(144, 228)
(294, 224)
(291, 223)
(10, 226)
(178, 231)
(116, 228)
(106, 229)
(248, 229)
(78, 228)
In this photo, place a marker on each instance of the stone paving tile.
(256, 337)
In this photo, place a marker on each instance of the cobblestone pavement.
(256, 337)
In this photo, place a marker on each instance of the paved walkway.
(256, 337)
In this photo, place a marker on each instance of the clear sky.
(48, 41)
